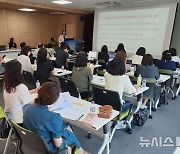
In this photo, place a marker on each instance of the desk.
(6, 59)
(99, 123)
(97, 65)
(100, 82)
(58, 71)
(176, 74)
(52, 58)
(10, 53)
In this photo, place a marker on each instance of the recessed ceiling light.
(27, 9)
(57, 13)
(62, 2)
(143, 1)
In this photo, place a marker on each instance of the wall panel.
(33, 27)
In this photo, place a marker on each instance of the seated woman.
(62, 58)
(49, 125)
(12, 44)
(82, 73)
(15, 93)
(165, 62)
(1, 66)
(147, 70)
(175, 58)
(121, 54)
(103, 56)
(44, 66)
(116, 80)
(120, 47)
(24, 59)
(136, 59)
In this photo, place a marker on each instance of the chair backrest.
(1, 113)
(69, 86)
(101, 61)
(106, 97)
(100, 72)
(166, 72)
(29, 80)
(29, 142)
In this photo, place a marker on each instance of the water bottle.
(35, 61)
(37, 84)
(62, 67)
(144, 82)
(92, 108)
(139, 79)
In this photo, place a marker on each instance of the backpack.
(140, 117)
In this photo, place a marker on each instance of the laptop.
(92, 55)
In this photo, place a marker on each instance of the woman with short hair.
(165, 62)
(82, 73)
(44, 66)
(24, 59)
(147, 70)
(137, 59)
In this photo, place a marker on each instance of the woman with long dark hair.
(15, 92)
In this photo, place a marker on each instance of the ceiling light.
(143, 1)
(26, 9)
(62, 2)
(57, 13)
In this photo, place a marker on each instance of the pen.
(80, 116)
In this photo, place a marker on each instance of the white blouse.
(15, 101)
(61, 38)
(26, 63)
(119, 83)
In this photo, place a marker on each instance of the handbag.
(4, 128)
(140, 117)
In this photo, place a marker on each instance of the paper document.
(63, 101)
(74, 111)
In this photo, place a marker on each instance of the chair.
(102, 63)
(150, 94)
(29, 142)
(1, 77)
(169, 84)
(108, 97)
(68, 85)
(29, 80)
(100, 72)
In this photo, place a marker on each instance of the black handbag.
(140, 117)
(4, 128)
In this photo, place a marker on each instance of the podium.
(73, 44)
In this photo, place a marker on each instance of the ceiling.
(104, 4)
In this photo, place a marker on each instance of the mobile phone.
(3, 56)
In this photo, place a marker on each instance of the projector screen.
(143, 27)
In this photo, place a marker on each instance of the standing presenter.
(62, 37)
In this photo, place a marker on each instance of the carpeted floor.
(164, 125)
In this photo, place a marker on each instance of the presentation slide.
(145, 27)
